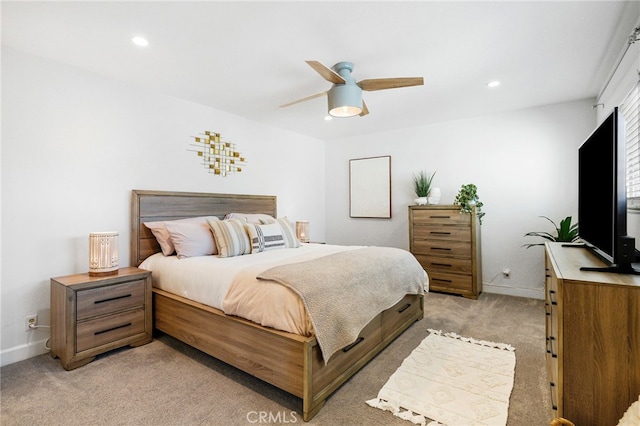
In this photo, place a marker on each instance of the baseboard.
(22, 352)
(532, 293)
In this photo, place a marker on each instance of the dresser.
(593, 337)
(91, 315)
(446, 242)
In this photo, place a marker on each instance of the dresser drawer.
(401, 312)
(435, 248)
(445, 264)
(441, 232)
(449, 282)
(440, 217)
(100, 331)
(108, 299)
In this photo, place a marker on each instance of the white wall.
(74, 144)
(523, 162)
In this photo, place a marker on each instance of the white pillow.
(265, 237)
(192, 239)
(161, 233)
(290, 239)
(231, 238)
(258, 218)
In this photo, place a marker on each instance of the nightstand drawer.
(108, 299)
(99, 331)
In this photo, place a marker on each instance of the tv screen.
(602, 202)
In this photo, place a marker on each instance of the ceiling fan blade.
(326, 73)
(308, 98)
(390, 83)
(365, 110)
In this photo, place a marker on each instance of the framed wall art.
(370, 187)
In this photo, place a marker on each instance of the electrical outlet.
(30, 320)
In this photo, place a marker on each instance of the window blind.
(630, 111)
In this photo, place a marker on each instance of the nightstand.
(91, 315)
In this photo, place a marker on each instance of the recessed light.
(494, 83)
(140, 41)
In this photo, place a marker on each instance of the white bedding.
(208, 279)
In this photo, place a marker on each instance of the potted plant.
(566, 232)
(467, 198)
(422, 186)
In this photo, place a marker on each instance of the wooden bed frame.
(288, 361)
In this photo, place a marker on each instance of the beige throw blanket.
(344, 291)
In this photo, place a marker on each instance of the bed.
(289, 361)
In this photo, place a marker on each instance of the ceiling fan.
(345, 96)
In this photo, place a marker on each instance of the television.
(602, 196)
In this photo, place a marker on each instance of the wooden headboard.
(150, 206)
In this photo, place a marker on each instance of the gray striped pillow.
(265, 237)
(231, 237)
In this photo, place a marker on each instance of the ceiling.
(247, 58)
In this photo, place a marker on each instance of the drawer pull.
(554, 355)
(442, 280)
(112, 328)
(446, 265)
(440, 233)
(440, 217)
(353, 345)
(404, 308)
(112, 299)
(441, 248)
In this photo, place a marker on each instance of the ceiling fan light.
(345, 100)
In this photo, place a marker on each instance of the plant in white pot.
(467, 198)
(422, 186)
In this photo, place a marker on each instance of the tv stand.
(623, 268)
(593, 337)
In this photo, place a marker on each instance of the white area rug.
(452, 380)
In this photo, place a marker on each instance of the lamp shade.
(302, 230)
(345, 100)
(103, 253)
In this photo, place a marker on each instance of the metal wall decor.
(218, 157)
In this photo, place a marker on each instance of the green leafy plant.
(422, 183)
(467, 198)
(566, 232)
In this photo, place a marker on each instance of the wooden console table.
(593, 337)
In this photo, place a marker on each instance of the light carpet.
(452, 380)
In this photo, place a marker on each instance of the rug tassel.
(503, 346)
(415, 419)
(394, 408)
